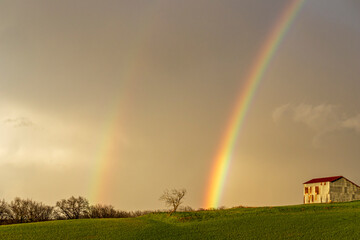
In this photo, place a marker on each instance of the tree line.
(26, 210)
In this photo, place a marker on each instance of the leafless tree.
(5, 212)
(103, 211)
(74, 208)
(19, 210)
(123, 214)
(26, 210)
(173, 198)
(40, 212)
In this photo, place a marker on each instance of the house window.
(312, 198)
(317, 190)
(306, 190)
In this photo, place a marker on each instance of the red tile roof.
(326, 179)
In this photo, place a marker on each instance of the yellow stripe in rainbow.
(106, 156)
(223, 158)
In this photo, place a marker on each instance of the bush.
(186, 209)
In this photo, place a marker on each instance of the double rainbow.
(223, 158)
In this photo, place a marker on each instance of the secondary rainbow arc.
(108, 153)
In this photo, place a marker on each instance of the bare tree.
(26, 210)
(19, 210)
(5, 212)
(74, 208)
(40, 212)
(103, 211)
(173, 198)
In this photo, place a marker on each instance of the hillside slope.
(321, 221)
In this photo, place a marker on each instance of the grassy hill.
(320, 221)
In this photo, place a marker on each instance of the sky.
(117, 101)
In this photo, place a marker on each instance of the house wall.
(343, 190)
(313, 197)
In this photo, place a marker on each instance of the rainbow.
(223, 158)
(105, 159)
(107, 156)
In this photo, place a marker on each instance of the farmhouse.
(330, 189)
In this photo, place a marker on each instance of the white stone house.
(330, 189)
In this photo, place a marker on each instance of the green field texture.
(316, 221)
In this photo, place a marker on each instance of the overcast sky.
(158, 80)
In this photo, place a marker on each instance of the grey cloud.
(322, 119)
(352, 123)
(19, 122)
(280, 112)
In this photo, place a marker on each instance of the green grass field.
(320, 221)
